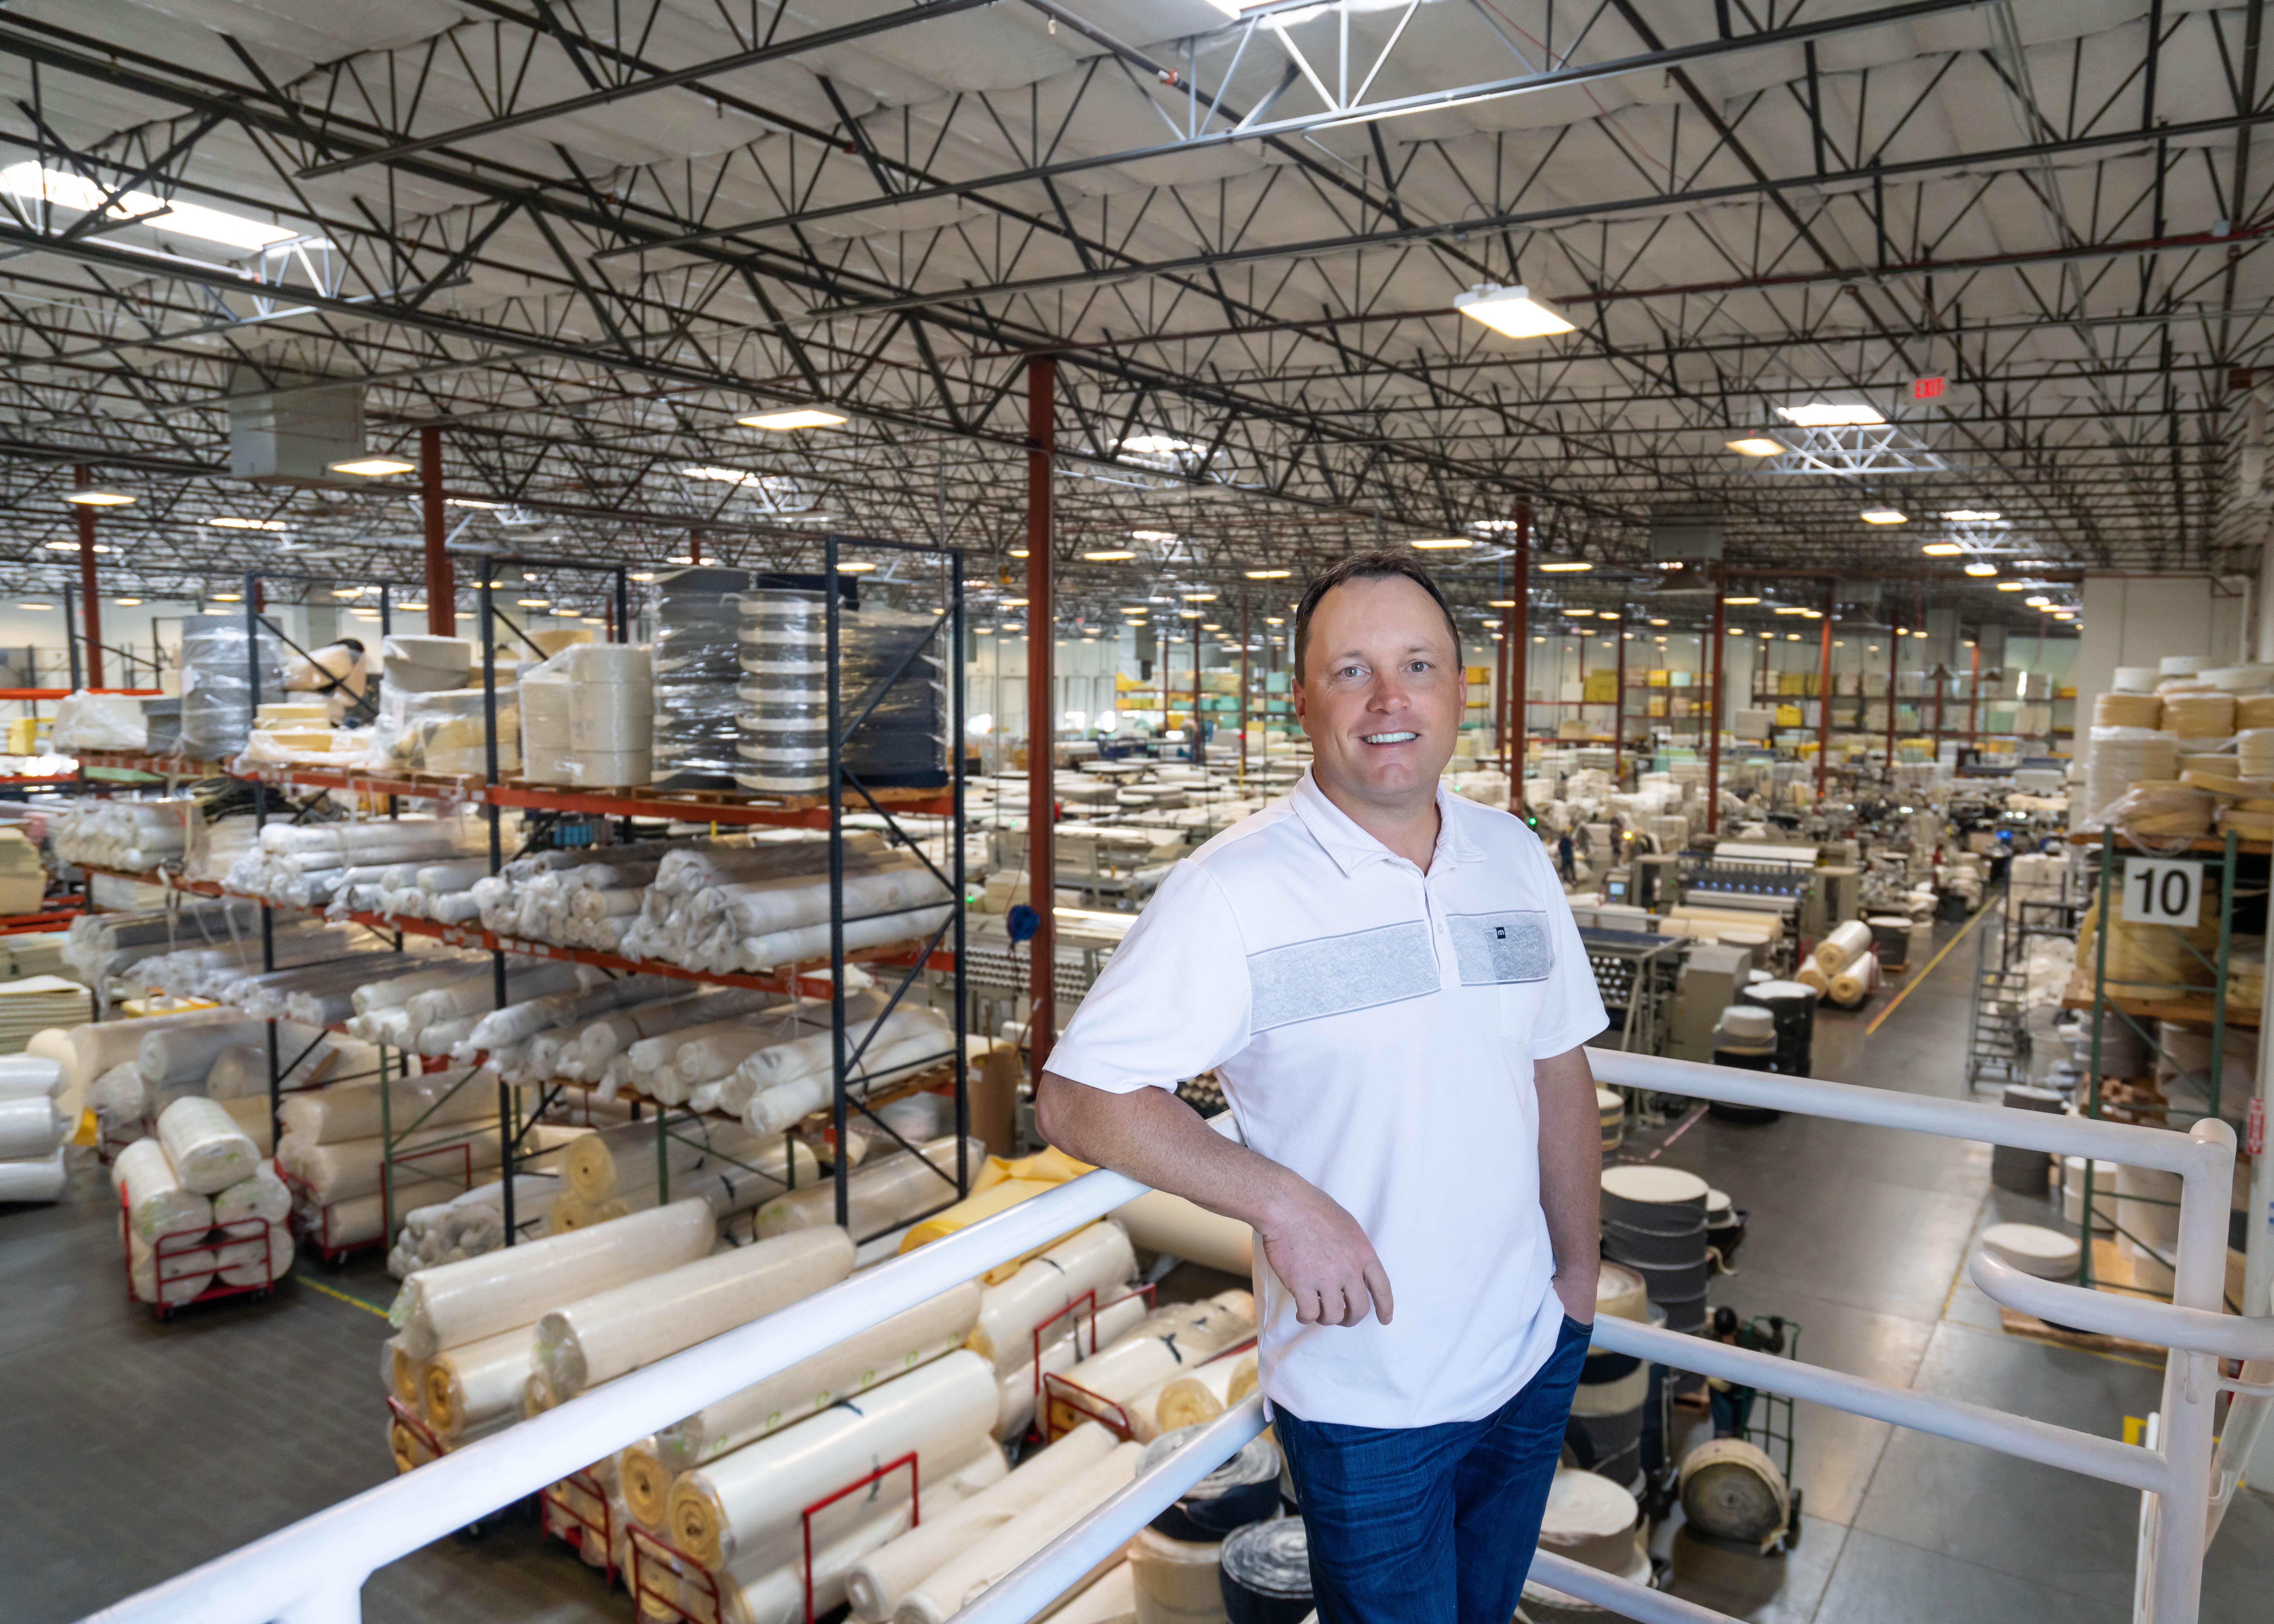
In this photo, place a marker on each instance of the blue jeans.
(1432, 1524)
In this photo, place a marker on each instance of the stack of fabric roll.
(696, 669)
(1594, 1520)
(305, 864)
(610, 704)
(1837, 968)
(463, 1331)
(1655, 1223)
(1123, 1384)
(1222, 1549)
(755, 907)
(2026, 1172)
(1792, 1006)
(1604, 1432)
(222, 685)
(201, 1210)
(32, 1130)
(1611, 1114)
(782, 648)
(613, 1171)
(469, 1224)
(577, 899)
(1066, 1303)
(336, 1146)
(884, 1192)
(134, 836)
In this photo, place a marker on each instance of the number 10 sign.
(2157, 892)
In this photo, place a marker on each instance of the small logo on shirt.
(1500, 933)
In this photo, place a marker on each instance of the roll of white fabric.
(1112, 1598)
(263, 1195)
(759, 953)
(208, 1151)
(474, 997)
(604, 1039)
(614, 1332)
(37, 1178)
(800, 1056)
(353, 1110)
(29, 1074)
(1161, 1222)
(347, 1168)
(913, 1337)
(30, 1126)
(745, 1507)
(250, 1116)
(1840, 946)
(463, 1389)
(1066, 1345)
(949, 1587)
(397, 991)
(178, 1277)
(876, 1584)
(517, 1022)
(242, 1258)
(777, 1595)
(1096, 1259)
(461, 1302)
(364, 1217)
(882, 1192)
(779, 1106)
(1170, 1342)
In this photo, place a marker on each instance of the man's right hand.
(1323, 1257)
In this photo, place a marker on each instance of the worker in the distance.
(1388, 982)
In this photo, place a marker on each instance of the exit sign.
(1927, 388)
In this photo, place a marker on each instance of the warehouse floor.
(137, 1449)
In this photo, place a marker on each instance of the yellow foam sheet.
(1001, 1184)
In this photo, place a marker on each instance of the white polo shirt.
(1374, 1029)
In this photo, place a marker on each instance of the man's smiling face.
(1381, 692)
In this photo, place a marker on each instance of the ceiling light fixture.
(1971, 515)
(126, 603)
(858, 567)
(1566, 567)
(1981, 567)
(793, 418)
(93, 496)
(1156, 444)
(228, 521)
(1512, 311)
(228, 597)
(373, 466)
(1152, 535)
(1266, 574)
(534, 603)
(35, 606)
(1199, 597)
(172, 215)
(1109, 556)
(1442, 544)
(1825, 414)
(1756, 446)
(2013, 586)
(1942, 549)
(1885, 515)
(1748, 599)
(410, 606)
(470, 501)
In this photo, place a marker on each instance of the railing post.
(2178, 1522)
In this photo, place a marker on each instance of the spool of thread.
(1265, 1571)
(2197, 716)
(2136, 680)
(2127, 710)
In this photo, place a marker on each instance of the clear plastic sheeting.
(882, 1193)
(208, 1151)
(695, 734)
(445, 733)
(219, 667)
(157, 1202)
(890, 665)
(86, 721)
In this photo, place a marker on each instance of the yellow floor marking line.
(318, 1285)
(1904, 992)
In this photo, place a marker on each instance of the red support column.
(441, 589)
(1894, 662)
(1721, 635)
(1519, 653)
(1824, 694)
(90, 604)
(1041, 721)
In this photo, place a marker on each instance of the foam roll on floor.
(1244, 1490)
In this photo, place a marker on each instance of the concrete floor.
(136, 1450)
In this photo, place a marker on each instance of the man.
(1390, 984)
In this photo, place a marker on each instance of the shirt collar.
(1352, 848)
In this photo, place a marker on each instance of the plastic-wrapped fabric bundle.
(1067, 1344)
(1188, 1400)
(132, 835)
(782, 648)
(445, 733)
(744, 1506)
(157, 1202)
(882, 1193)
(1168, 1342)
(250, 1256)
(35, 1178)
(696, 671)
(346, 1168)
(208, 1150)
(218, 669)
(601, 1041)
(518, 1022)
(1163, 1222)
(796, 1058)
(461, 1389)
(611, 714)
(611, 1333)
(1096, 1258)
(460, 1302)
(948, 1589)
(262, 1195)
(468, 1224)
(362, 1218)
(430, 972)
(250, 1116)
(309, 1059)
(352, 1110)
(186, 1054)
(903, 739)
(30, 1074)
(86, 721)
(876, 1585)
(762, 1589)
(2116, 758)
(86, 1052)
(178, 1277)
(30, 1126)
(914, 1336)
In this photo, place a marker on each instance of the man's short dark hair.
(1373, 566)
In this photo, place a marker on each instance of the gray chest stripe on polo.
(1334, 975)
(1494, 950)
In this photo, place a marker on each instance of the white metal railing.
(313, 1571)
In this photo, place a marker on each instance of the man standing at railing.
(1388, 981)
